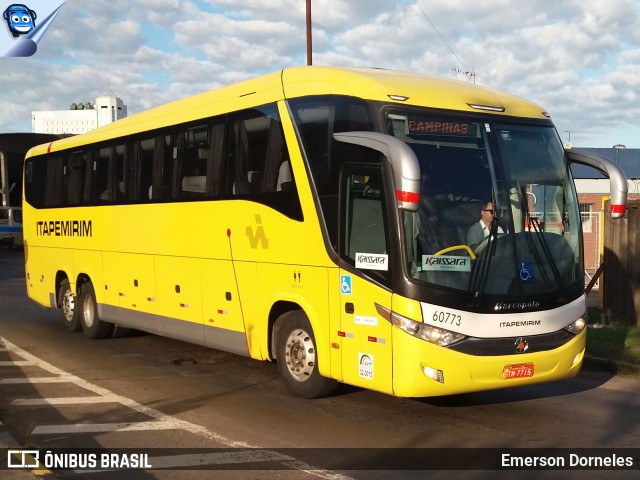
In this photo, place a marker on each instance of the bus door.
(366, 337)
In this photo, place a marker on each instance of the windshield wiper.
(534, 224)
(481, 275)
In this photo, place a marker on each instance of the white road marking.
(16, 381)
(167, 424)
(162, 422)
(17, 363)
(63, 401)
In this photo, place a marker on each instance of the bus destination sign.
(418, 126)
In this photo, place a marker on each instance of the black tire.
(298, 359)
(92, 326)
(68, 303)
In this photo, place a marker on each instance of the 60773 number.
(447, 318)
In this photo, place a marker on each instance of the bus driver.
(481, 229)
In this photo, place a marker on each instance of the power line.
(468, 70)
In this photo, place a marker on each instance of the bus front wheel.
(68, 303)
(92, 326)
(298, 358)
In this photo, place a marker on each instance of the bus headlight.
(577, 326)
(431, 334)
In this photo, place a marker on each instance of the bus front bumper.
(421, 369)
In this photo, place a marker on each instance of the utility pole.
(309, 42)
(569, 132)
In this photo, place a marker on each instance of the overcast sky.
(580, 59)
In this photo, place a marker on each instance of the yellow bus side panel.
(129, 281)
(179, 288)
(37, 272)
(89, 264)
(220, 299)
(303, 285)
(367, 343)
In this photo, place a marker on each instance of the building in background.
(80, 117)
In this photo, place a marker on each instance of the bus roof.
(418, 89)
(368, 83)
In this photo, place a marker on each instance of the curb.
(612, 363)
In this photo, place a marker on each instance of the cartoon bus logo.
(20, 18)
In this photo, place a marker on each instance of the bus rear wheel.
(92, 326)
(67, 302)
(298, 358)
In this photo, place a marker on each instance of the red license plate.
(522, 370)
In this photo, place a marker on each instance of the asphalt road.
(186, 405)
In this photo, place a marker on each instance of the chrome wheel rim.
(68, 305)
(300, 354)
(88, 311)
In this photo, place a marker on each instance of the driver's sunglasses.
(490, 210)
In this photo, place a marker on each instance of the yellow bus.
(318, 217)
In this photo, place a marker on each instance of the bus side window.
(259, 167)
(364, 216)
(240, 168)
(33, 181)
(75, 178)
(100, 176)
(199, 160)
(162, 171)
(258, 152)
(142, 170)
(194, 174)
(53, 181)
(119, 168)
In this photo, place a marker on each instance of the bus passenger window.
(75, 176)
(199, 157)
(100, 176)
(259, 168)
(53, 182)
(193, 173)
(120, 172)
(142, 170)
(285, 177)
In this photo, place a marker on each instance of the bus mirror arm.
(617, 178)
(404, 164)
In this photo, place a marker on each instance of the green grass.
(618, 346)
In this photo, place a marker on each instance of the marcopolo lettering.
(64, 228)
(502, 306)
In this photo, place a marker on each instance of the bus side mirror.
(617, 179)
(404, 164)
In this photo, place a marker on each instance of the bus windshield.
(498, 212)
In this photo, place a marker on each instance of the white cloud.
(580, 59)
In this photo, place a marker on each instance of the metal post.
(309, 48)
(4, 180)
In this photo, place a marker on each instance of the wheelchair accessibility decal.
(526, 272)
(345, 284)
